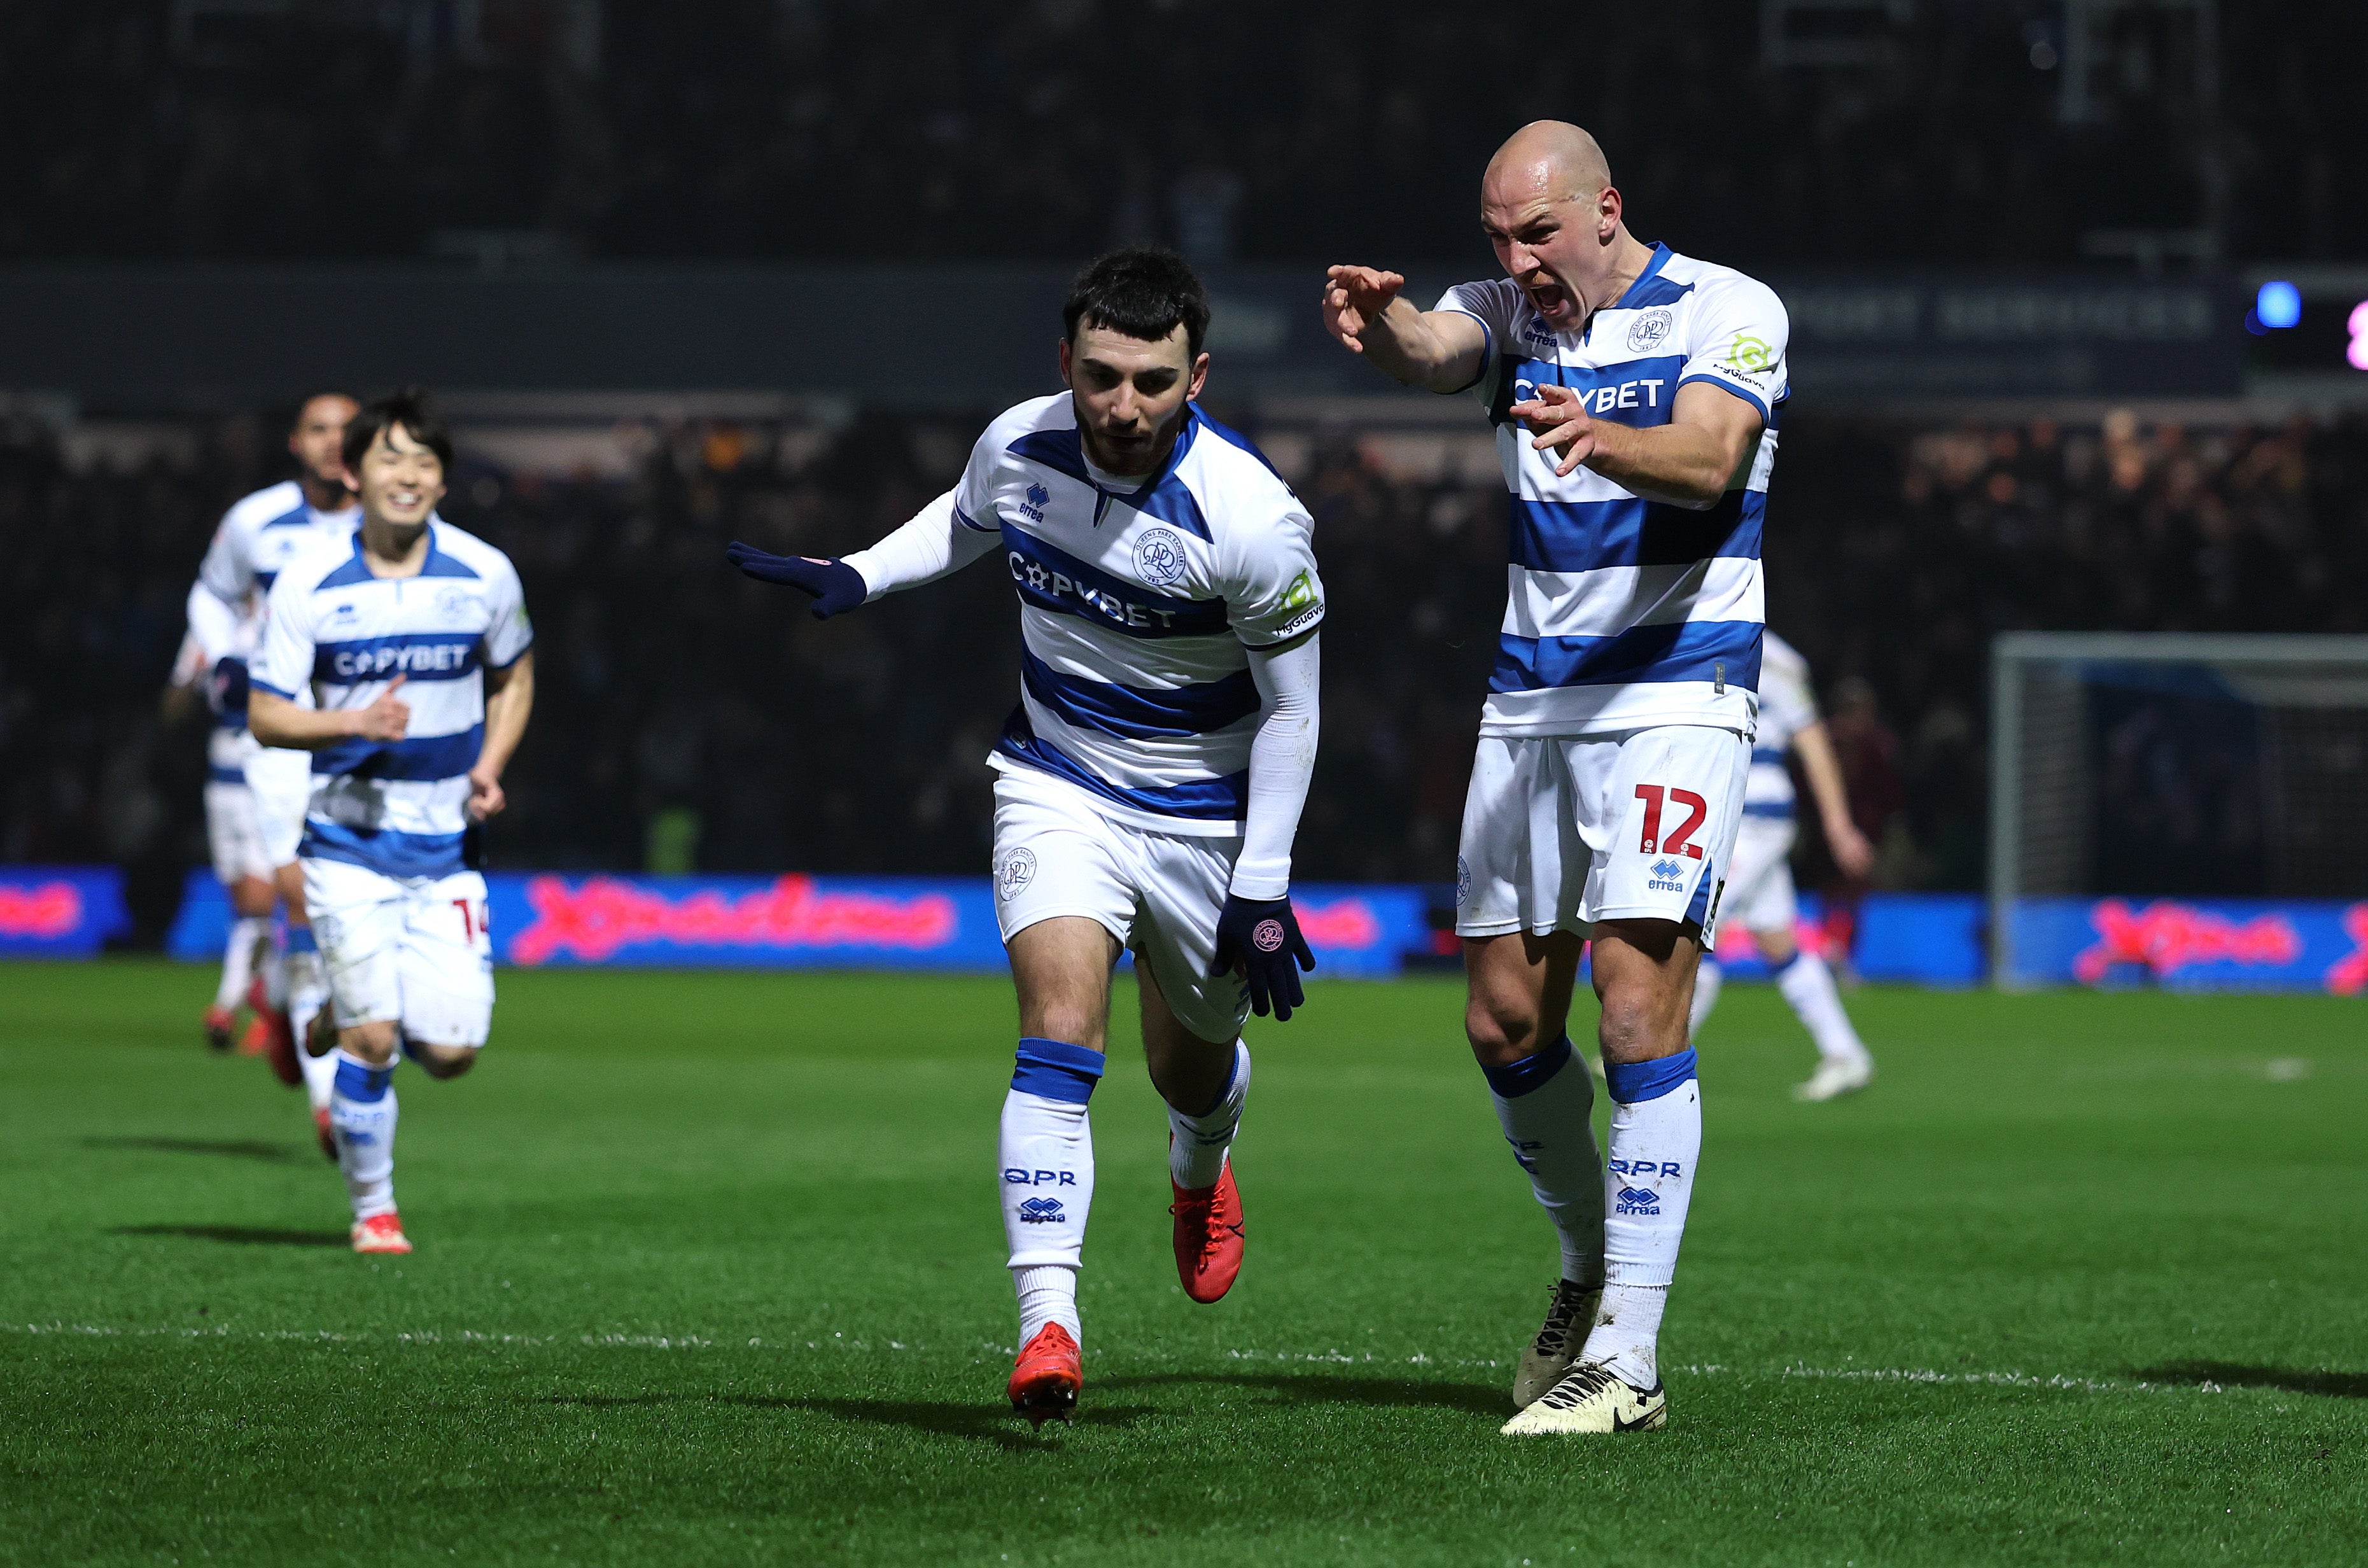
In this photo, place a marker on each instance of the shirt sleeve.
(973, 494)
(213, 623)
(508, 632)
(1271, 590)
(283, 665)
(228, 570)
(1790, 701)
(1492, 304)
(1737, 341)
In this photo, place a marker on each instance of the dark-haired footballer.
(1149, 783)
(412, 637)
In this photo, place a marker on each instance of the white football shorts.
(1158, 893)
(282, 783)
(1759, 888)
(410, 949)
(1561, 832)
(233, 833)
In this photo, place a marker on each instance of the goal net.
(2174, 765)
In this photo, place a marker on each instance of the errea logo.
(1032, 504)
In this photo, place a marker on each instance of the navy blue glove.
(1258, 937)
(836, 588)
(226, 687)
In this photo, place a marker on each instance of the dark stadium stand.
(687, 717)
(769, 128)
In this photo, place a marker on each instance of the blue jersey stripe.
(420, 758)
(1223, 798)
(1136, 712)
(1774, 754)
(217, 774)
(1051, 578)
(1725, 651)
(383, 851)
(1582, 536)
(1746, 393)
(421, 655)
(1767, 808)
(1635, 391)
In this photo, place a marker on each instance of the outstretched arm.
(1440, 351)
(934, 544)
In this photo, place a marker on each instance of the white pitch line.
(1325, 1358)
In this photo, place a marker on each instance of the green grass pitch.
(710, 1271)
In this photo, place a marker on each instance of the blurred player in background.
(412, 639)
(217, 679)
(1151, 781)
(227, 605)
(1614, 747)
(1759, 889)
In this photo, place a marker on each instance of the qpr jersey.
(1787, 706)
(1138, 598)
(395, 807)
(1622, 611)
(257, 537)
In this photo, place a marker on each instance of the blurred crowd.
(1047, 128)
(689, 720)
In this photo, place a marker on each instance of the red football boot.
(380, 1232)
(279, 1044)
(1208, 1237)
(1050, 1372)
(218, 1022)
(328, 1139)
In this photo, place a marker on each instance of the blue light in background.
(2278, 304)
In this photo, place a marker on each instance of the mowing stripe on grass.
(2058, 1381)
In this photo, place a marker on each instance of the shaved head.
(1549, 158)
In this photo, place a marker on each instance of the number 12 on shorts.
(474, 921)
(1680, 841)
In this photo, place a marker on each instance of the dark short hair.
(296, 410)
(1142, 291)
(410, 408)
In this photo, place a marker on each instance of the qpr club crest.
(1650, 330)
(1015, 873)
(1159, 557)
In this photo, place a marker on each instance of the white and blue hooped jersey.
(396, 807)
(257, 538)
(261, 534)
(1626, 612)
(1787, 706)
(229, 744)
(1137, 600)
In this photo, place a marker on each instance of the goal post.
(2175, 765)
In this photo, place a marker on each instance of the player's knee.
(443, 1061)
(251, 897)
(372, 1043)
(1639, 1024)
(1502, 1029)
(1776, 947)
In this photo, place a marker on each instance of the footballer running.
(1149, 783)
(256, 794)
(1635, 395)
(411, 637)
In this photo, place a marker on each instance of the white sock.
(1648, 1181)
(1543, 1103)
(1197, 1144)
(308, 993)
(1707, 980)
(274, 969)
(1045, 1152)
(1808, 985)
(362, 1114)
(238, 958)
